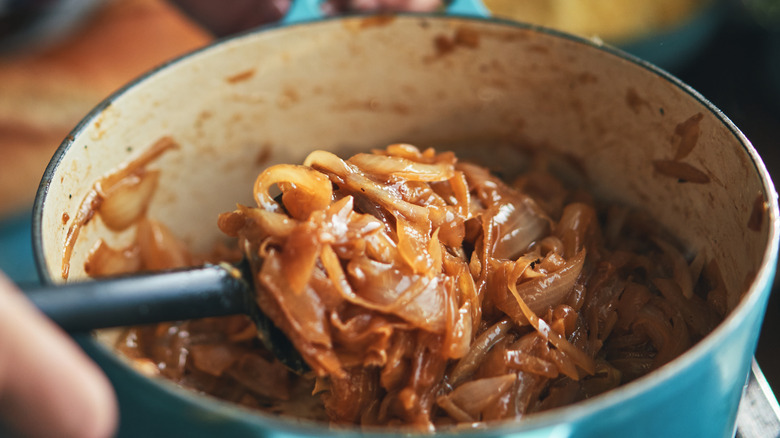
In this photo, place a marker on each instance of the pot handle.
(303, 10)
(469, 8)
(310, 10)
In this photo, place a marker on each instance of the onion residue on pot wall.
(120, 198)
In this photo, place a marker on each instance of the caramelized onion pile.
(425, 292)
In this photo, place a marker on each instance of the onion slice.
(479, 348)
(391, 168)
(125, 202)
(473, 397)
(580, 358)
(310, 189)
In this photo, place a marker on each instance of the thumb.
(48, 386)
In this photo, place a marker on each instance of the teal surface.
(676, 48)
(16, 257)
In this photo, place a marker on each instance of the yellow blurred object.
(616, 21)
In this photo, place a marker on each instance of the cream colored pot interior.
(492, 91)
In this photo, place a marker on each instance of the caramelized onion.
(580, 358)
(577, 226)
(159, 248)
(546, 291)
(213, 359)
(126, 202)
(389, 168)
(421, 290)
(304, 190)
(520, 222)
(680, 269)
(105, 261)
(474, 396)
(531, 364)
(479, 348)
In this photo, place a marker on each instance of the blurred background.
(59, 58)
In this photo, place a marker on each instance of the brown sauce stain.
(264, 155)
(686, 134)
(443, 45)
(538, 48)
(576, 105)
(635, 101)
(288, 97)
(65, 218)
(587, 78)
(202, 118)
(463, 37)
(241, 77)
(377, 21)
(498, 83)
(494, 66)
(683, 172)
(355, 105)
(292, 94)
(757, 215)
(711, 199)
(373, 105)
(497, 66)
(466, 37)
(400, 108)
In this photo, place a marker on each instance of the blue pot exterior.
(700, 399)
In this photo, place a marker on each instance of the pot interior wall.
(494, 92)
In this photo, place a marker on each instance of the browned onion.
(474, 396)
(126, 202)
(105, 261)
(580, 358)
(541, 293)
(424, 291)
(479, 348)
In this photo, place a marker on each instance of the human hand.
(231, 16)
(393, 5)
(48, 386)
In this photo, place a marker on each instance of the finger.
(48, 386)
(396, 5)
(230, 16)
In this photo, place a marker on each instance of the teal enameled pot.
(492, 90)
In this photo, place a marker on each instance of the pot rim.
(558, 417)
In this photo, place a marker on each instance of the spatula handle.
(210, 290)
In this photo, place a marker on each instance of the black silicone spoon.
(188, 293)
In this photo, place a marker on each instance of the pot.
(492, 90)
